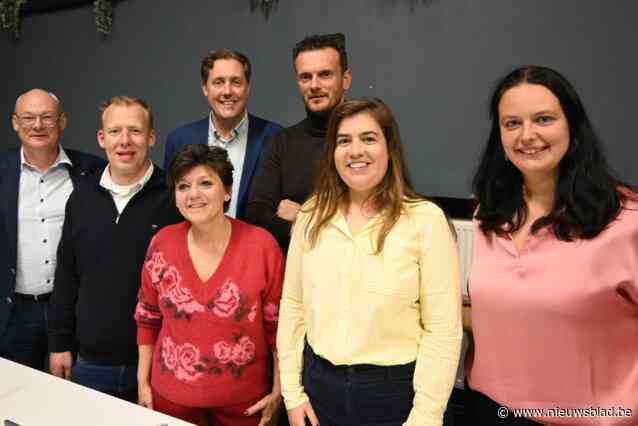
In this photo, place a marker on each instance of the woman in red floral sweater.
(208, 306)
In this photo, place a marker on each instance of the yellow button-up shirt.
(357, 307)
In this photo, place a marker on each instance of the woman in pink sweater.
(208, 306)
(554, 284)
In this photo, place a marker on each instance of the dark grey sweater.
(286, 171)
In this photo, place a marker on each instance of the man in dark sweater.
(287, 169)
(107, 228)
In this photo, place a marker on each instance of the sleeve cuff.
(60, 343)
(295, 402)
(146, 336)
(417, 418)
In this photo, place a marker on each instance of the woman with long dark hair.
(554, 283)
(371, 303)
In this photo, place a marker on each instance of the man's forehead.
(117, 115)
(226, 67)
(37, 101)
(326, 58)
(124, 111)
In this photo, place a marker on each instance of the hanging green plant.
(103, 16)
(10, 16)
(265, 6)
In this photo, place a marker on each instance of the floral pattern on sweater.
(177, 297)
(228, 302)
(218, 328)
(188, 363)
(183, 360)
(168, 282)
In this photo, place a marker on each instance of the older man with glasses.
(35, 183)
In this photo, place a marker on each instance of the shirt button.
(42, 200)
(46, 262)
(41, 180)
(42, 220)
(48, 281)
(44, 241)
(8, 300)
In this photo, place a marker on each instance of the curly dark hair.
(587, 196)
(194, 155)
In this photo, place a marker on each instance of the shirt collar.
(239, 128)
(62, 158)
(338, 220)
(107, 183)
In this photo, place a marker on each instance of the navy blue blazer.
(84, 166)
(260, 132)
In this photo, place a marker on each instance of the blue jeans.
(365, 395)
(116, 380)
(25, 338)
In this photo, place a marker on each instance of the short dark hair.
(123, 100)
(336, 41)
(193, 155)
(209, 61)
(587, 195)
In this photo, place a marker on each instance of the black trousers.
(358, 395)
(483, 411)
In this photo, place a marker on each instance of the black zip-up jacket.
(97, 276)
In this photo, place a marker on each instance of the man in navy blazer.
(35, 182)
(225, 78)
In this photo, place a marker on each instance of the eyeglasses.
(27, 121)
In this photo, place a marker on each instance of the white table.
(32, 398)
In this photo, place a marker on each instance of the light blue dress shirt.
(236, 147)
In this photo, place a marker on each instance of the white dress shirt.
(236, 147)
(42, 198)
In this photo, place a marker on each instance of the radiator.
(465, 241)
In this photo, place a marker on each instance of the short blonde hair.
(126, 101)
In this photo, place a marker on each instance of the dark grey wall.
(433, 62)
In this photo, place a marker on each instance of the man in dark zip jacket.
(107, 229)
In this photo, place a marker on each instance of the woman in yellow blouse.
(370, 323)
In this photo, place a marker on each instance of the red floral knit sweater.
(213, 340)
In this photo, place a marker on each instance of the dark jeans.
(360, 395)
(455, 414)
(483, 411)
(25, 338)
(116, 380)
